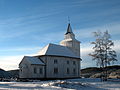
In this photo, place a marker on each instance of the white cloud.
(21, 25)
(20, 49)
(86, 47)
(113, 28)
(87, 61)
(10, 62)
(116, 45)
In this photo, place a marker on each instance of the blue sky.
(28, 25)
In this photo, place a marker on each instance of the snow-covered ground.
(71, 84)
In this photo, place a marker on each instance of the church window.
(55, 61)
(55, 70)
(74, 71)
(40, 70)
(74, 62)
(21, 70)
(68, 71)
(67, 62)
(35, 70)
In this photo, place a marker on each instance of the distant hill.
(4, 74)
(9, 74)
(94, 72)
(14, 73)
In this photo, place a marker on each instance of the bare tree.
(103, 53)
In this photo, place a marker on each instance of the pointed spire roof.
(69, 29)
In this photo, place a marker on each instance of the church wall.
(76, 47)
(27, 70)
(37, 74)
(62, 67)
(24, 69)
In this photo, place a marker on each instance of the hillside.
(14, 73)
(8, 74)
(94, 72)
(4, 74)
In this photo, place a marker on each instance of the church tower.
(70, 41)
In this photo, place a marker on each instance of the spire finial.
(68, 19)
(69, 29)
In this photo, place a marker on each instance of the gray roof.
(33, 60)
(57, 50)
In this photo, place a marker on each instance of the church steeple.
(70, 41)
(69, 34)
(69, 29)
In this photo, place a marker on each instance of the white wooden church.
(54, 61)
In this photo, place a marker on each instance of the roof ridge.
(56, 44)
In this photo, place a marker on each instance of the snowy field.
(69, 84)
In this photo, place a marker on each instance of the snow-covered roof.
(69, 40)
(33, 60)
(57, 50)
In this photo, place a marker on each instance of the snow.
(65, 40)
(33, 60)
(68, 84)
(57, 50)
